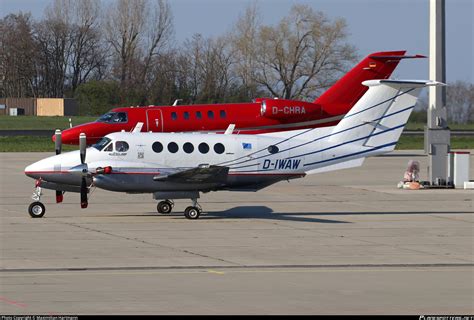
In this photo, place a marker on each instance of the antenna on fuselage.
(230, 129)
(175, 103)
(138, 127)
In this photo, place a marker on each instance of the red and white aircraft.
(264, 115)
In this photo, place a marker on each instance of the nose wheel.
(36, 209)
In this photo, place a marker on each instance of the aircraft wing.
(201, 174)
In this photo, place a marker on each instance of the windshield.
(113, 117)
(101, 143)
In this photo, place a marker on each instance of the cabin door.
(155, 120)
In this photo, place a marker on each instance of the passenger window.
(186, 115)
(210, 114)
(174, 116)
(173, 147)
(157, 147)
(121, 146)
(222, 114)
(109, 148)
(188, 147)
(198, 115)
(219, 148)
(203, 147)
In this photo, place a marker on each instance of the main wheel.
(36, 209)
(192, 213)
(164, 207)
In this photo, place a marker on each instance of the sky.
(373, 25)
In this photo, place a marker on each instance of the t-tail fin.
(378, 118)
(342, 96)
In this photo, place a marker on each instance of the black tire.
(164, 207)
(36, 209)
(192, 213)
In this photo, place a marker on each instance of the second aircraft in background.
(261, 116)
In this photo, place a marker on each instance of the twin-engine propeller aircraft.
(180, 166)
(262, 116)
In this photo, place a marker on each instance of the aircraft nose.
(33, 170)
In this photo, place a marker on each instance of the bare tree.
(159, 28)
(460, 102)
(206, 64)
(138, 31)
(244, 44)
(88, 54)
(124, 26)
(17, 56)
(305, 52)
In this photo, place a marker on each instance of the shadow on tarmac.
(264, 212)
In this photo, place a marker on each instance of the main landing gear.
(36, 209)
(191, 212)
(165, 206)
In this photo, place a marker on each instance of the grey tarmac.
(343, 242)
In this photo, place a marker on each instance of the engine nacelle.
(287, 109)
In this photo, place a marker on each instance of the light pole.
(437, 134)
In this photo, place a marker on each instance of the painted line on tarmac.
(249, 271)
(237, 267)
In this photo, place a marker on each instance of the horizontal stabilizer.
(339, 166)
(398, 57)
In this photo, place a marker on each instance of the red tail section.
(340, 98)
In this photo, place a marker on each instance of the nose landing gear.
(36, 209)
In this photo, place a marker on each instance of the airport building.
(38, 107)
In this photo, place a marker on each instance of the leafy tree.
(97, 97)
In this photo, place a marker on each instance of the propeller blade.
(82, 147)
(84, 202)
(57, 141)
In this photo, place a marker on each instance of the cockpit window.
(113, 117)
(109, 148)
(101, 143)
(121, 146)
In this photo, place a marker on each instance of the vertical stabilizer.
(342, 96)
(378, 118)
